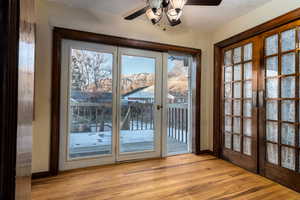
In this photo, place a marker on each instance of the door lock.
(158, 107)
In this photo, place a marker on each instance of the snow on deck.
(97, 143)
(87, 139)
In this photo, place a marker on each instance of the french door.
(239, 135)
(260, 104)
(110, 104)
(281, 104)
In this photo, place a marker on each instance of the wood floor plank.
(184, 177)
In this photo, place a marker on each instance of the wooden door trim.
(267, 26)
(9, 42)
(61, 33)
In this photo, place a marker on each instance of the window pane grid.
(282, 75)
(237, 116)
(241, 93)
(282, 134)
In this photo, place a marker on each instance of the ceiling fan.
(172, 9)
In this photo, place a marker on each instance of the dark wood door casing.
(8, 101)
(16, 77)
(61, 33)
(26, 70)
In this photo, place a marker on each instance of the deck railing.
(178, 122)
(137, 116)
(97, 117)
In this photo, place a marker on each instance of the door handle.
(254, 99)
(158, 107)
(261, 98)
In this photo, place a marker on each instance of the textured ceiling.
(205, 18)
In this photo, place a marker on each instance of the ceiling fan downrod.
(165, 3)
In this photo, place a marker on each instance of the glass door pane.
(179, 97)
(87, 104)
(139, 130)
(90, 103)
(137, 104)
(238, 66)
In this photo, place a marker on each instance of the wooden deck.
(183, 177)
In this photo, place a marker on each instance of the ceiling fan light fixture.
(156, 9)
(154, 17)
(173, 15)
(155, 5)
(178, 4)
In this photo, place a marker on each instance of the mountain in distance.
(177, 81)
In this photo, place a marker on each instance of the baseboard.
(207, 152)
(38, 175)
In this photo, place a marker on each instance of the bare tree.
(88, 68)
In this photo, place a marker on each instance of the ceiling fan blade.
(137, 13)
(204, 2)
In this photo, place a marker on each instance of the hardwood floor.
(183, 177)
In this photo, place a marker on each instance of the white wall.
(52, 14)
(256, 17)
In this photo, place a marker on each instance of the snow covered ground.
(97, 143)
(78, 140)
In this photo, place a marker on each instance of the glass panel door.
(179, 103)
(140, 104)
(270, 65)
(281, 79)
(87, 104)
(239, 109)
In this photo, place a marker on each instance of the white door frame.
(160, 116)
(164, 95)
(156, 152)
(66, 163)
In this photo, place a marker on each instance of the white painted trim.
(165, 104)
